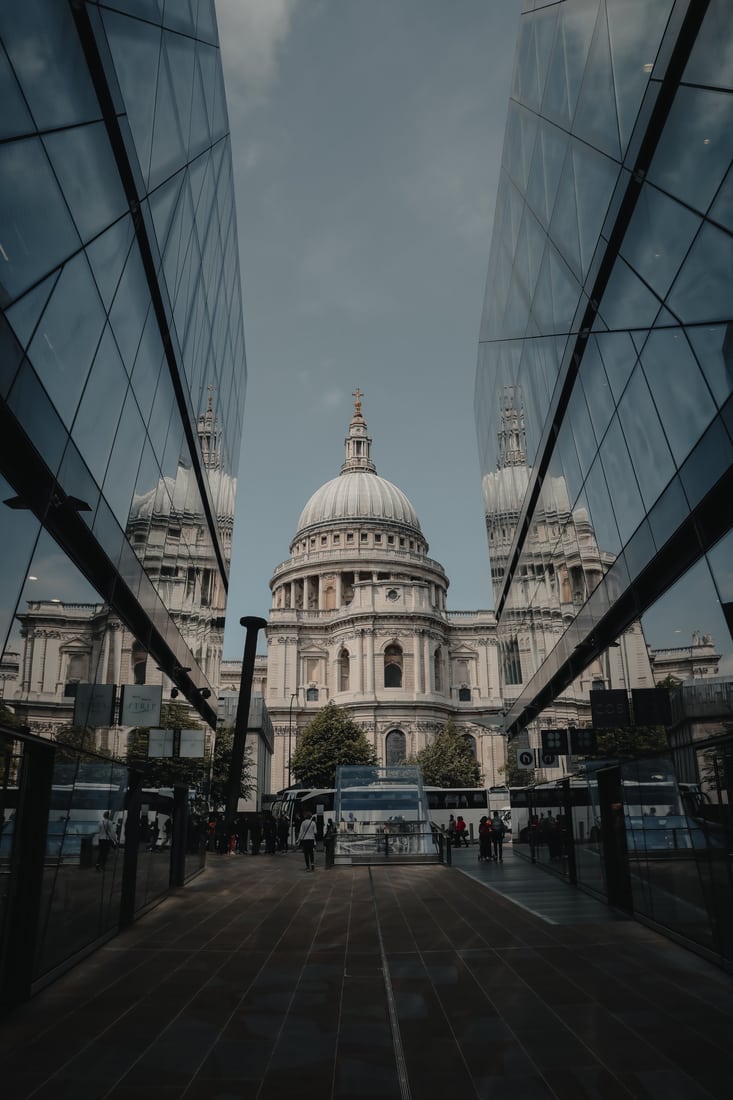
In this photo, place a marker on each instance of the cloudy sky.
(366, 137)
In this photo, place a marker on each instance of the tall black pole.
(252, 625)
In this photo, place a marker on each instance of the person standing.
(307, 841)
(498, 828)
(461, 832)
(105, 840)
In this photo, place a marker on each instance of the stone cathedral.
(359, 616)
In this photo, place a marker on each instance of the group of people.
(547, 830)
(247, 834)
(491, 831)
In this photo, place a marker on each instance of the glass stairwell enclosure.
(382, 814)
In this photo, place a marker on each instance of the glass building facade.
(604, 407)
(122, 368)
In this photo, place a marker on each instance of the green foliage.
(166, 771)
(75, 739)
(220, 769)
(448, 761)
(330, 740)
(631, 743)
(9, 719)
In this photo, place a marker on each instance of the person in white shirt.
(307, 840)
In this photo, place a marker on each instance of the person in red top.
(461, 832)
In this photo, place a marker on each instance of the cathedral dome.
(358, 493)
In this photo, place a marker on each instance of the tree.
(220, 770)
(330, 740)
(168, 771)
(448, 761)
(631, 743)
(76, 739)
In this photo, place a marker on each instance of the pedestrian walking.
(106, 839)
(307, 841)
(498, 828)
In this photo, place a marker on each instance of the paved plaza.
(261, 982)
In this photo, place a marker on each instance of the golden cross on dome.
(357, 395)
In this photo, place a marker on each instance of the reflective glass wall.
(604, 383)
(122, 379)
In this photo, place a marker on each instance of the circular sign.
(525, 758)
(549, 759)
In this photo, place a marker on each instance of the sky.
(366, 140)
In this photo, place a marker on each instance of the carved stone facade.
(359, 617)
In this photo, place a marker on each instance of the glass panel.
(595, 179)
(659, 235)
(713, 346)
(619, 356)
(31, 405)
(595, 115)
(682, 399)
(635, 31)
(649, 450)
(43, 46)
(722, 209)
(86, 169)
(706, 463)
(15, 119)
(601, 511)
(125, 460)
(693, 153)
(148, 365)
(627, 302)
(25, 314)
(67, 337)
(701, 291)
(135, 48)
(569, 55)
(627, 503)
(36, 232)
(107, 256)
(130, 308)
(168, 148)
(20, 531)
(100, 407)
(596, 388)
(711, 60)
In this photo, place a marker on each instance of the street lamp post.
(294, 695)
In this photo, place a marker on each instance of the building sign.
(651, 707)
(583, 742)
(160, 743)
(141, 704)
(610, 709)
(94, 705)
(555, 742)
(525, 758)
(192, 743)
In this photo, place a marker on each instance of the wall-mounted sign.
(140, 704)
(94, 705)
(192, 743)
(525, 758)
(160, 743)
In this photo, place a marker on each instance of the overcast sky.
(366, 137)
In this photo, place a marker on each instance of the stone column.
(117, 652)
(370, 662)
(358, 679)
(339, 590)
(428, 668)
(483, 672)
(419, 664)
(292, 594)
(320, 592)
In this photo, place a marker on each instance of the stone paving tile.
(259, 983)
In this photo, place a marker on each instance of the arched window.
(471, 742)
(395, 748)
(344, 663)
(464, 695)
(393, 666)
(437, 670)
